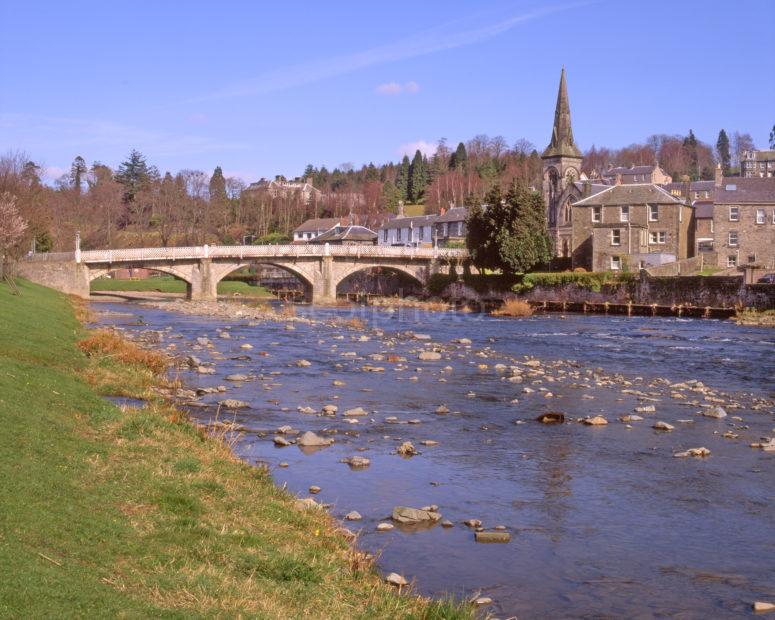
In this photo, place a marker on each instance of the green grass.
(107, 512)
(168, 284)
(709, 271)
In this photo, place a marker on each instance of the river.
(605, 521)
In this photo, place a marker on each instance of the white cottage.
(409, 231)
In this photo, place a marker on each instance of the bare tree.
(12, 226)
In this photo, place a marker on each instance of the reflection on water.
(604, 521)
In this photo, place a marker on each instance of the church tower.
(562, 168)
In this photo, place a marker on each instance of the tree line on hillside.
(136, 204)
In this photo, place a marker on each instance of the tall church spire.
(562, 144)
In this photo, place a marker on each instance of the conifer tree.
(217, 187)
(77, 173)
(417, 178)
(402, 179)
(722, 149)
(459, 158)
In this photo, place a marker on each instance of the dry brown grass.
(109, 344)
(83, 313)
(514, 307)
(355, 323)
(288, 311)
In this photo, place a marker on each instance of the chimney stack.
(618, 179)
(719, 179)
(400, 208)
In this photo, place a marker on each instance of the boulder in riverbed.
(310, 439)
(233, 403)
(405, 514)
(429, 356)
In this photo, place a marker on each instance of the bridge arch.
(95, 273)
(416, 273)
(221, 270)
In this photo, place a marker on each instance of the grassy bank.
(111, 512)
(168, 284)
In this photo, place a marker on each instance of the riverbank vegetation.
(168, 284)
(749, 316)
(112, 511)
(514, 308)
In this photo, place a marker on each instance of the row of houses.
(441, 230)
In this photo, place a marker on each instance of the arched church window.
(565, 248)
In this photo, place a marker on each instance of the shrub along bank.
(127, 512)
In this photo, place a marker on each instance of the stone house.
(744, 222)
(630, 227)
(636, 174)
(310, 229)
(347, 235)
(451, 226)
(757, 164)
(280, 188)
(704, 235)
(417, 231)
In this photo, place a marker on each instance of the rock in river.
(597, 420)
(236, 377)
(233, 403)
(281, 441)
(357, 412)
(715, 412)
(492, 537)
(396, 580)
(356, 462)
(551, 417)
(693, 452)
(429, 356)
(404, 514)
(662, 426)
(303, 363)
(353, 516)
(763, 606)
(406, 449)
(385, 527)
(310, 439)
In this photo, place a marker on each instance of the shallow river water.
(605, 522)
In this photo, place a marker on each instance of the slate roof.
(455, 214)
(411, 222)
(317, 225)
(746, 190)
(694, 186)
(633, 170)
(346, 233)
(632, 193)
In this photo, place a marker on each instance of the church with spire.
(561, 174)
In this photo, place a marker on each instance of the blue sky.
(265, 88)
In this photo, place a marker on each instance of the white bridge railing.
(242, 252)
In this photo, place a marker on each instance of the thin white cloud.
(438, 39)
(394, 88)
(426, 148)
(53, 173)
(80, 135)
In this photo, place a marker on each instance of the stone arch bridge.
(320, 267)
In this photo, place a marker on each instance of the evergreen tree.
(772, 137)
(417, 178)
(309, 171)
(390, 196)
(402, 178)
(722, 149)
(133, 174)
(510, 234)
(217, 187)
(77, 173)
(690, 145)
(459, 158)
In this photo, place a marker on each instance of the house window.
(732, 240)
(761, 216)
(732, 260)
(751, 259)
(384, 235)
(616, 237)
(657, 237)
(445, 230)
(624, 214)
(616, 263)
(773, 216)
(696, 195)
(653, 213)
(597, 214)
(422, 233)
(734, 214)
